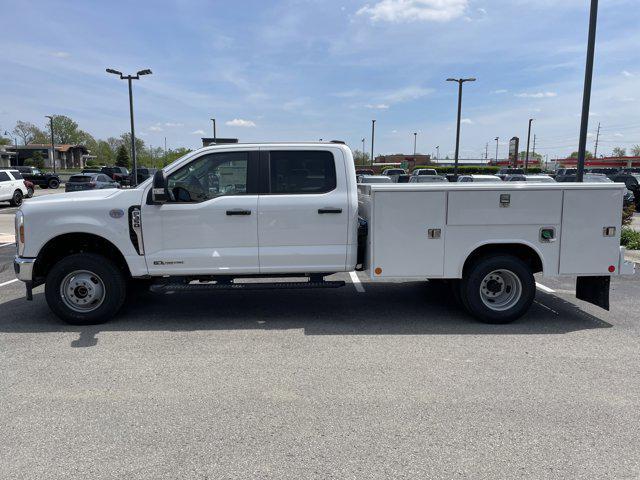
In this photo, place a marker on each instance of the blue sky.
(303, 70)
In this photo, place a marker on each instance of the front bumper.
(24, 268)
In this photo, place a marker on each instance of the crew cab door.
(5, 186)
(303, 215)
(210, 224)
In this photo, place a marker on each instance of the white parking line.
(6, 244)
(356, 282)
(544, 288)
(7, 283)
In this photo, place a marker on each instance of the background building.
(66, 156)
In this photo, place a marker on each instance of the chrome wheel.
(500, 290)
(82, 291)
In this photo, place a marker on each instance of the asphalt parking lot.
(367, 381)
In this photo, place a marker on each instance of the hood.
(85, 198)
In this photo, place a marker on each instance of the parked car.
(632, 182)
(514, 177)
(428, 179)
(119, 174)
(565, 174)
(402, 178)
(608, 171)
(480, 178)
(89, 181)
(92, 170)
(12, 187)
(394, 171)
(144, 173)
(424, 171)
(374, 179)
(364, 171)
(37, 176)
(503, 172)
(539, 178)
(30, 188)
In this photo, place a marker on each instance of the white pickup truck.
(225, 213)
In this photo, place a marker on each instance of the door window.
(302, 172)
(210, 176)
(4, 177)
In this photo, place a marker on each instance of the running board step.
(202, 287)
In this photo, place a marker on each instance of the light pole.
(214, 130)
(15, 139)
(373, 132)
(496, 139)
(586, 96)
(460, 81)
(53, 151)
(134, 176)
(526, 158)
(437, 152)
(415, 139)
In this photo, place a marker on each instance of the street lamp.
(373, 132)
(415, 139)
(526, 157)
(437, 152)
(496, 139)
(214, 130)
(460, 81)
(134, 176)
(53, 151)
(15, 139)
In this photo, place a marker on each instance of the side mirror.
(159, 192)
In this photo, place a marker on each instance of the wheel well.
(70, 243)
(519, 250)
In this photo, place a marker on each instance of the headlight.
(19, 232)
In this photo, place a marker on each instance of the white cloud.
(172, 124)
(499, 91)
(415, 10)
(405, 94)
(627, 73)
(155, 128)
(379, 106)
(467, 121)
(537, 95)
(618, 134)
(197, 132)
(239, 122)
(60, 54)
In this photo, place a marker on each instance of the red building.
(619, 162)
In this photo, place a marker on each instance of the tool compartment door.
(584, 248)
(401, 245)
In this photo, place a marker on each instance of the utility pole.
(496, 139)
(595, 149)
(53, 148)
(533, 151)
(586, 97)
(526, 158)
(486, 151)
(373, 132)
(437, 152)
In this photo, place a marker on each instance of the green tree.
(635, 151)
(66, 130)
(36, 160)
(587, 154)
(104, 153)
(532, 156)
(122, 157)
(29, 133)
(173, 155)
(361, 158)
(125, 139)
(619, 152)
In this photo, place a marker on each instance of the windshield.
(597, 179)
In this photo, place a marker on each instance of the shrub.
(630, 238)
(627, 214)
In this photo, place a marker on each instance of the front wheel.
(54, 183)
(85, 289)
(16, 200)
(498, 289)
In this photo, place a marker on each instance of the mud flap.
(594, 290)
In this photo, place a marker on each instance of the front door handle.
(329, 210)
(238, 212)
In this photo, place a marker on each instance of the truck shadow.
(384, 309)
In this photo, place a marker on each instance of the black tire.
(53, 183)
(112, 278)
(44, 186)
(478, 278)
(29, 192)
(17, 198)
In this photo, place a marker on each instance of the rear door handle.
(329, 210)
(238, 212)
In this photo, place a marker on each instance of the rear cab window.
(301, 172)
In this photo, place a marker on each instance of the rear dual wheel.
(497, 289)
